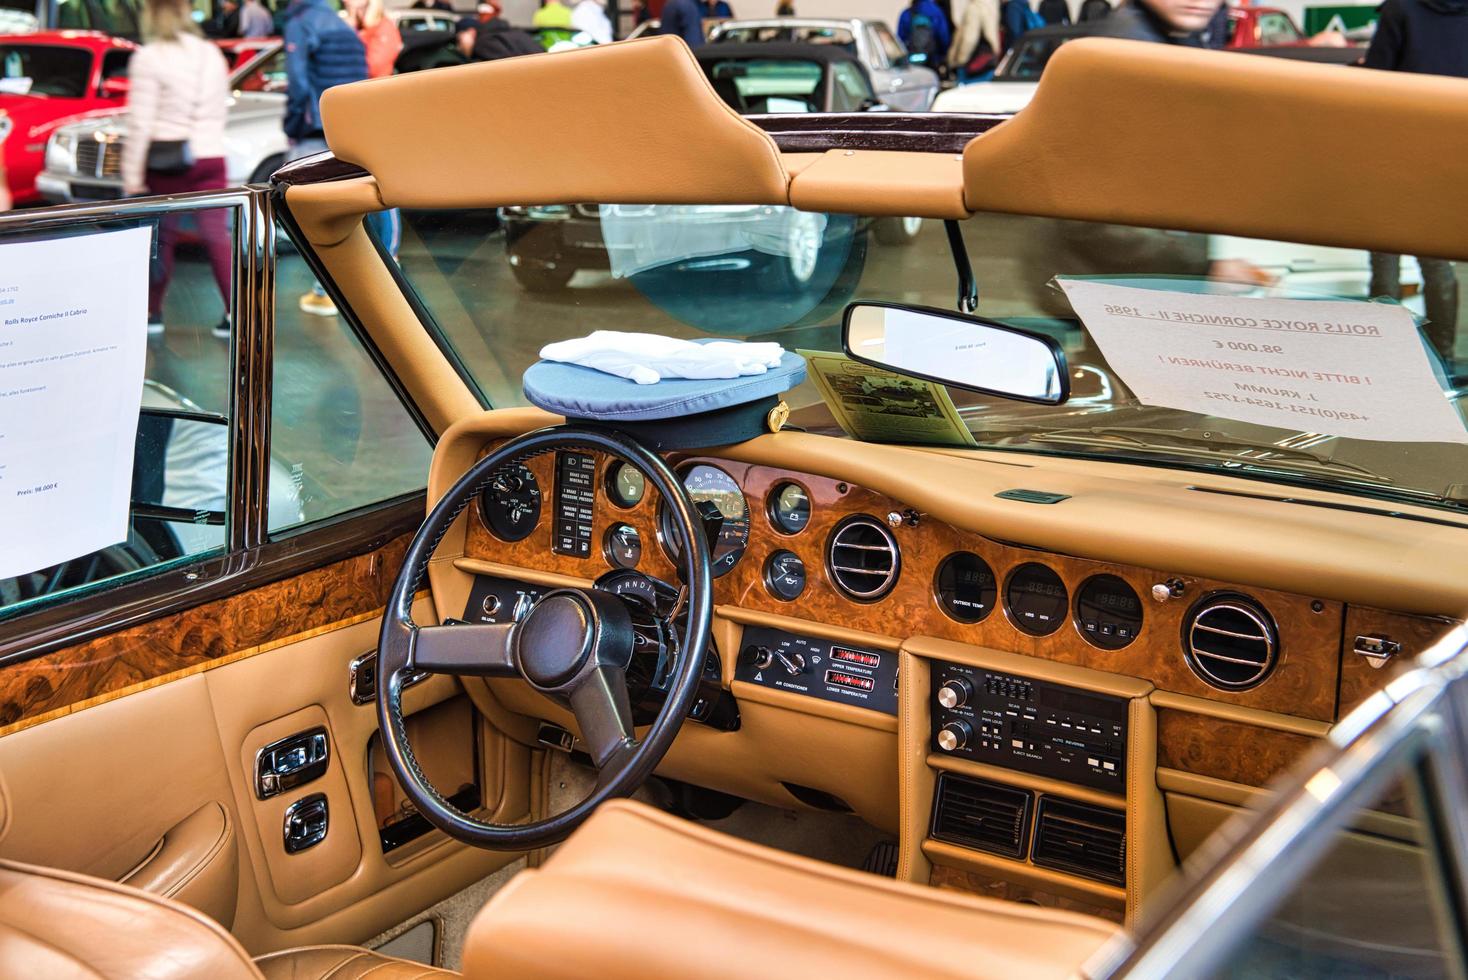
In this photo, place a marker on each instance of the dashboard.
(1073, 722)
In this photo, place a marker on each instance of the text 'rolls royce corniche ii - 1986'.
(1091, 607)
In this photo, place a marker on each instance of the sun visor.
(632, 122)
(1166, 137)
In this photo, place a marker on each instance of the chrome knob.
(761, 658)
(793, 663)
(954, 735)
(955, 693)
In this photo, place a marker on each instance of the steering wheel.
(572, 645)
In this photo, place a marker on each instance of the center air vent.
(862, 558)
(1086, 840)
(1230, 641)
(982, 815)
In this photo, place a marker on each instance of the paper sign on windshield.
(1340, 368)
(73, 344)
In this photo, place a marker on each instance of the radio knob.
(954, 735)
(761, 657)
(955, 693)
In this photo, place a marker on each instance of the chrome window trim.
(1268, 853)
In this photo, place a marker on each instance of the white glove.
(648, 358)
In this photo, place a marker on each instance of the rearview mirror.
(953, 349)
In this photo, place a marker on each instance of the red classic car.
(49, 79)
(1270, 27)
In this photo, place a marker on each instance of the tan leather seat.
(66, 926)
(638, 893)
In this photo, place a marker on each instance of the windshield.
(1027, 60)
(498, 286)
(44, 69)
(753, 85)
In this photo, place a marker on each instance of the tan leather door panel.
(196, 862)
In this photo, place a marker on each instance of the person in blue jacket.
(924, 29)
(683, 18)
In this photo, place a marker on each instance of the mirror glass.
(957, 350)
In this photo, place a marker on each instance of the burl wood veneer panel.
(217, 632)
(1303, 684)
(978, 884)
(1415, 633)
(1229, 750)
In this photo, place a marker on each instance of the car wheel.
(898, 231)
(803, 242)
(267, 167)
(542, 278)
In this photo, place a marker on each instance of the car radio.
(1030, 725)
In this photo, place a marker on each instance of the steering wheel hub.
(554, 640)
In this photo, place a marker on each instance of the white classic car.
(84, 159)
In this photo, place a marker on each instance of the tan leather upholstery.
(59, 925)
(486, 134)
(638, 893)
(1169, 137)
(197, 863)
(881, 182)
(343, 963)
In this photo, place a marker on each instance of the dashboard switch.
(794, 663)
(761, 658)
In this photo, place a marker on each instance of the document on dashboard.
(73, 348)
(1338, 367)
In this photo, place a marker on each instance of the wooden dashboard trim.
(1231, 751)
(1235, 713)
(1054, 882)
(217, 633)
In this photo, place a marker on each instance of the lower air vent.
(1230, 641)
(862, 558)
(1085, 840)
(985, 816)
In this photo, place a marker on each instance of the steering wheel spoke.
(480, 649)
(603, 710)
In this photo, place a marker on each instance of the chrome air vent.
(1230, 641)
(981, 815)
(1086, 840)
(862, 558)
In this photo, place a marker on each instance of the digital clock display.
(1036, 599)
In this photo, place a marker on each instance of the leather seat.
(65, 926)
(637, 893)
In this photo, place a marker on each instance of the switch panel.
(293, 761)
(305, 823)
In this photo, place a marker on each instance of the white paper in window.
(1342, 368)
(73, 346)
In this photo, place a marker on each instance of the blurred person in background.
(553, 21)
(683, 18)
(785, 8)
(5, 202)
(1054, 12)
(590, 17)
(1180, 22)
(176, 105)
(494, 39)
(924, 29)
(1018, 18)
(380, 36)
(717, 8)
(1093, 10)
(433, 5)
(974, 52)
(1428, 37)
(255, 20)
(321, 50)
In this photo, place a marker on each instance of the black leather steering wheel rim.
(403, 650)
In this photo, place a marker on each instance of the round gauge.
(715, 493)
(511, 505)
(623, 546)
(1036, 599)
(785, 575)
(625, 484)
(790, 508)
(1108, 612)
(966, 587)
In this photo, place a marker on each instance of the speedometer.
(715, 493)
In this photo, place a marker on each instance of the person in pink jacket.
(380, 36)
(177, 97)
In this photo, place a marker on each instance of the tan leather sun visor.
(634, 122)
(1165, 137)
